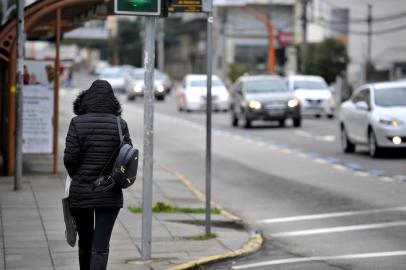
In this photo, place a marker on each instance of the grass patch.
(201, 237)
(161, 207)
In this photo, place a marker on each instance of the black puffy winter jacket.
(92, 139)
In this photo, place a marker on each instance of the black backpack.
(125, 167)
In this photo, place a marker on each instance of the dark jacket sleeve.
(126, 134)
(72, 155)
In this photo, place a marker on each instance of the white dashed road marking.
(340, 229)
(331, 215)
(323, 258)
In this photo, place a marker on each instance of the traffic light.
(141, 7)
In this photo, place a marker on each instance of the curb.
(254, 244)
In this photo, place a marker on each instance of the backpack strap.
(120, 131)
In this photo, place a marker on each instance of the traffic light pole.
(149, 61)
(209, 46)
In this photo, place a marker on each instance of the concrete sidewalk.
(32, 228)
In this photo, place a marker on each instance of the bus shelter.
(44, 20)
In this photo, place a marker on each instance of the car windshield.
(111, 73)
(310, 85)
(265, 86)
(139, 75)
(203, 83)
(390, 97)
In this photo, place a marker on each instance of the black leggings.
(94, 227)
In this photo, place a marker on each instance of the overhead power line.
(329, 25)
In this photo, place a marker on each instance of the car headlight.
(253, 104)
(293, 103)
(224, 95)
(160, 88)
(393, 122)
(332, 101)
(138, 88)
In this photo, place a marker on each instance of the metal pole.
(149, 61)
(304, 30)
(56, 88)
(369, 20)
(208, 119)
(224, 45)
(161, 45)
(19, 93)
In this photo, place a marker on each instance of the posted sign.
(185, 6)
(38, 95)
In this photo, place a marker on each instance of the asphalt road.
(316, 210)
(318, 138)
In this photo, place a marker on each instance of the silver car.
(116, 77)
(137, 86)
(375, 116)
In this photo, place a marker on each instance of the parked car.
(116, 77)
(137, 85)
(192, 95)
(263, 97)
(374, 116)
(315, 97)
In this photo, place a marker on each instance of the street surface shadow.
(238, 226)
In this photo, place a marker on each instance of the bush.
(327, 59)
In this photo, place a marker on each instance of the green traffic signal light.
(140, 7)
(139, 3)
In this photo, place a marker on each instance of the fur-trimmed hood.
(99, 98)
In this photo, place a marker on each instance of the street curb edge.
(254, 244)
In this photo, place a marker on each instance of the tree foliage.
(327, 59)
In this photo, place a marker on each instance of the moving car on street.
(374, 116)
(263, 97)
(116, 77)
(136, 86)
(192, 95)
(98, 67)
(314, 94)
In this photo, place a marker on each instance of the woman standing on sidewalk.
(92, 138)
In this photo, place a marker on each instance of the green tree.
(327, 59)
(129, 43)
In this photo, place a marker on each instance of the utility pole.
(209, 45)
(161, 45)
(149, 63)
(224, 44)
(19, 95)
(304, 33)
(369, 20)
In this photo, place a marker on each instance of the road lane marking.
(326, 138)
(332, 215)
(340, 167)
(303, 134)
(341, 229)
(362, 174)
(322, 258)
(386, 179)
(321, 161)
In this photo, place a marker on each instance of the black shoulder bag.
(125, 167)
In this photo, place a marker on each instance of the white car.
(375, 116)
(315, 97)
(116, 77)
(192, 95)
